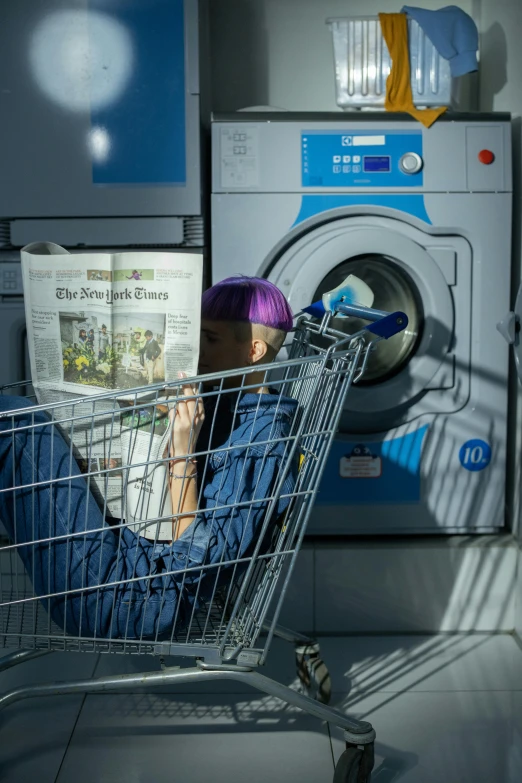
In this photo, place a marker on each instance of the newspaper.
(100, 322)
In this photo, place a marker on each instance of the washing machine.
(424, 217)
(105, 144)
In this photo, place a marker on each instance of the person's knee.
(13, 403)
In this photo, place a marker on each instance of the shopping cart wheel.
(354, 766)
(314, 675)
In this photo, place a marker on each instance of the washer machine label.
(239, 157)
(394, 465)
(360, 463)
(475, 455)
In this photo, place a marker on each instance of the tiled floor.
(446, 708)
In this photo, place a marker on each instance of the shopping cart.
(226, 610)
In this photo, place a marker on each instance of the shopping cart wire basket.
(75, 578)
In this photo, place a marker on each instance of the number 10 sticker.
(475, 455)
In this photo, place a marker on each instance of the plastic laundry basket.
(362, 64)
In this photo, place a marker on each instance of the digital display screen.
(376, 163)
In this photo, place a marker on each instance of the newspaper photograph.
(97, 354)
(99, 322)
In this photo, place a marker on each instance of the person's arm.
(236, 502)
(188, 418)
(183, 494)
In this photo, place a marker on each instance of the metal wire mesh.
(72, 578)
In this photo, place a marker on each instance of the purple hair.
(249, 299)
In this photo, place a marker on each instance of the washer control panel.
(361, 158)
(11, 279)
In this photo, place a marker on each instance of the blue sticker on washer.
(475, 455)
(372, 473)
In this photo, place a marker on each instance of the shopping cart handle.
(383, 324)
(357, 311)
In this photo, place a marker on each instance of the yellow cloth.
(398, 86)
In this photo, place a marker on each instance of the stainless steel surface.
(93, 232)
(79, 87)
(19, 656)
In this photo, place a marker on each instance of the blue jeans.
(72, 573)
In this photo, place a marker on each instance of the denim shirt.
(244, 469)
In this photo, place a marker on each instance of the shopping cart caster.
(355, 765)
(313, 673)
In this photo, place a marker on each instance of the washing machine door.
(403, 276)
(394, 290)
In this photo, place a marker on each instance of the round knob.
(486, 157)
(410, 163)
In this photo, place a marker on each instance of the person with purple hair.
(244, 323)
(226, 459)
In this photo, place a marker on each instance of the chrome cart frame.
(226, 609)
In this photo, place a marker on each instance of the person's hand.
(187, 419)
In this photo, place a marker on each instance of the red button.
(486, 157)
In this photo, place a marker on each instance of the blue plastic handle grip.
(391, 324)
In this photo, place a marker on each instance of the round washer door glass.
(393, 290)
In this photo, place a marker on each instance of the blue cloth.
(97, 581)
(452, 32)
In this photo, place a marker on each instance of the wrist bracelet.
(185, 476)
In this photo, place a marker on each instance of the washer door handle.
(508, 327)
